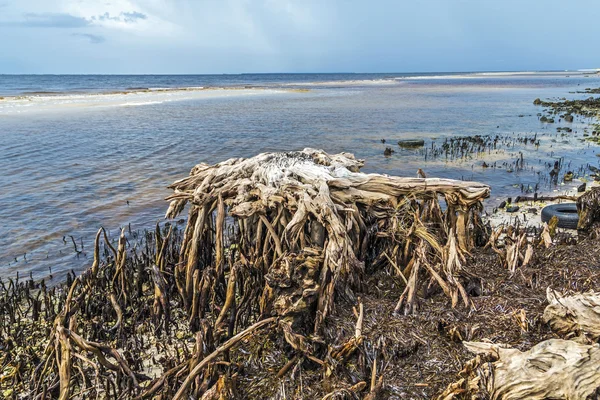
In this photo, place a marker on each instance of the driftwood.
(553, 369)
(574, 315)
(588, 208)
(523, 199)
(516, 252)
(311, 221)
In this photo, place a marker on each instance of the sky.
(269, 36)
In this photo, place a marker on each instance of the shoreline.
(45, 102)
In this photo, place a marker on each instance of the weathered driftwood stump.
(305, 224)
(553, 369)
(282, 234)
(578, 314)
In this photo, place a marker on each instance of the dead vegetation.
(296, 276)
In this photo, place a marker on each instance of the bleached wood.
(575, 314)
(312, 195)
(553, 369)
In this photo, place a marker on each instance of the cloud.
(133, 16)
(51, 20)
(128, 17)
(95, 39)
(66, 20)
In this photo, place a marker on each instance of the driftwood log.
(574, 315)
(309, 221)
(553, 369)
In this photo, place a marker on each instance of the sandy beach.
(45, 103)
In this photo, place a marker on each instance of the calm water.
(74, 161)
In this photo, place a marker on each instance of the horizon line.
(582, 70)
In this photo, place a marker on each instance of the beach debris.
(553, 369)
(568, 176)
(383, 141)
(388, 151)
(522, 199)
(421, 174)
(588, 209)
(565, 213)
(573, 315)
(516, 251)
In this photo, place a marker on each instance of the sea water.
(80, 152)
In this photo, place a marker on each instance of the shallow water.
(72, 162)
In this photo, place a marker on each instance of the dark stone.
(532, 210)
(568, 118)
(537, 102)
(411, 143)
(581, 188)
(474, 287)
(568, 176)
(388, 152)
(502, 205)
(512, 209)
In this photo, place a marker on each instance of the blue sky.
(234, 36)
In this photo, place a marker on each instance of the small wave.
(472, 75)
(512, 73)
(357, 82)
(174, 89)
(42, 93)
(434, 77)
(140, 103)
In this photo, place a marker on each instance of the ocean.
(80, 152)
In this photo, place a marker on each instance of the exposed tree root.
(272, 244)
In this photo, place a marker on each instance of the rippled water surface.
(69, 164)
